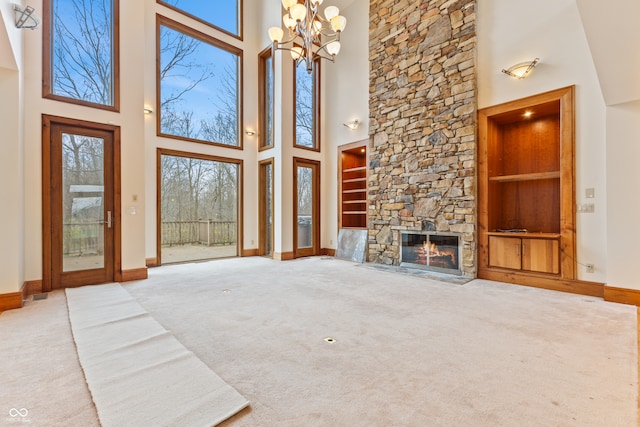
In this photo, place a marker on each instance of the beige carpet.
(408, 351)
(137, 372)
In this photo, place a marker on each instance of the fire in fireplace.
(431, 251)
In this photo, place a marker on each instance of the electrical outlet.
(590, 268)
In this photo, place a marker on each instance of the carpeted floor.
(407, 351)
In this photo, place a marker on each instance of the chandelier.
(311, 36)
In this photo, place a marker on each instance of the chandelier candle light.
(310, 35)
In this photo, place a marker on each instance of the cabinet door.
(504, 252)
(541, 255)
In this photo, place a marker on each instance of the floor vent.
(37, 297)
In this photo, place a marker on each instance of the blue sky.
(221, 13)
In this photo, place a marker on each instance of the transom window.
(81, 52)
(307, 106)
(199, 84)
(225, 15)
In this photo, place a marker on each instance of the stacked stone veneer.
(422, 102)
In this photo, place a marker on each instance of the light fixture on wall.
(249, 132)
(353, 124)
(522, 69)
(25, 19)
(311, 36)
(148, 110)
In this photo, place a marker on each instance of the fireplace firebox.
(431, 251)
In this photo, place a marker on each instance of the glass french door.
(306, 205)
(79, 205)
(265, 203)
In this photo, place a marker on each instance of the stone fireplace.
(422, 107)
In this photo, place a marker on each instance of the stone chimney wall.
(422, 103)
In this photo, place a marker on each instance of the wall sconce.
(521, 70)
(249, 132)
(25, 18)
(353, 124)
(148, 110)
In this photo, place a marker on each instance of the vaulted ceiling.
(613, 34)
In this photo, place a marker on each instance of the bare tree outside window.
(82, 50)
(199, 87)
(199, 208)
(306, 106)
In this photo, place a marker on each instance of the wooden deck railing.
(87, 238)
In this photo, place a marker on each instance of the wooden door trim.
(47, 225)
(315, 249)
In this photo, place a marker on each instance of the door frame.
(47, 224)
(262, 206)
(315, 247)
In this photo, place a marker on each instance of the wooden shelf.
(526, 176)
(360, 168)
(525, 235)
(354, 180)
(526, 195)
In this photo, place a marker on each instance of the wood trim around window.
(167, 152)
(263, 56)
(238, 36)
(316, 106)
(191, 32)
(47, 50)
(315, 249)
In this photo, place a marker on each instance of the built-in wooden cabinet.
(353, 186)
(526, 190)
(538, 254)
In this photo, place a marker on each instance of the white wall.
(346, 99)
(623, 181)
(512, 31)
(11, 152)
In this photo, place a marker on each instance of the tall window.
(266, 98)
(199, 86)
(307, 106)
(225, 15)
(198, 211)
(81, 52)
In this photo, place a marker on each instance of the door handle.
(109, 219)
